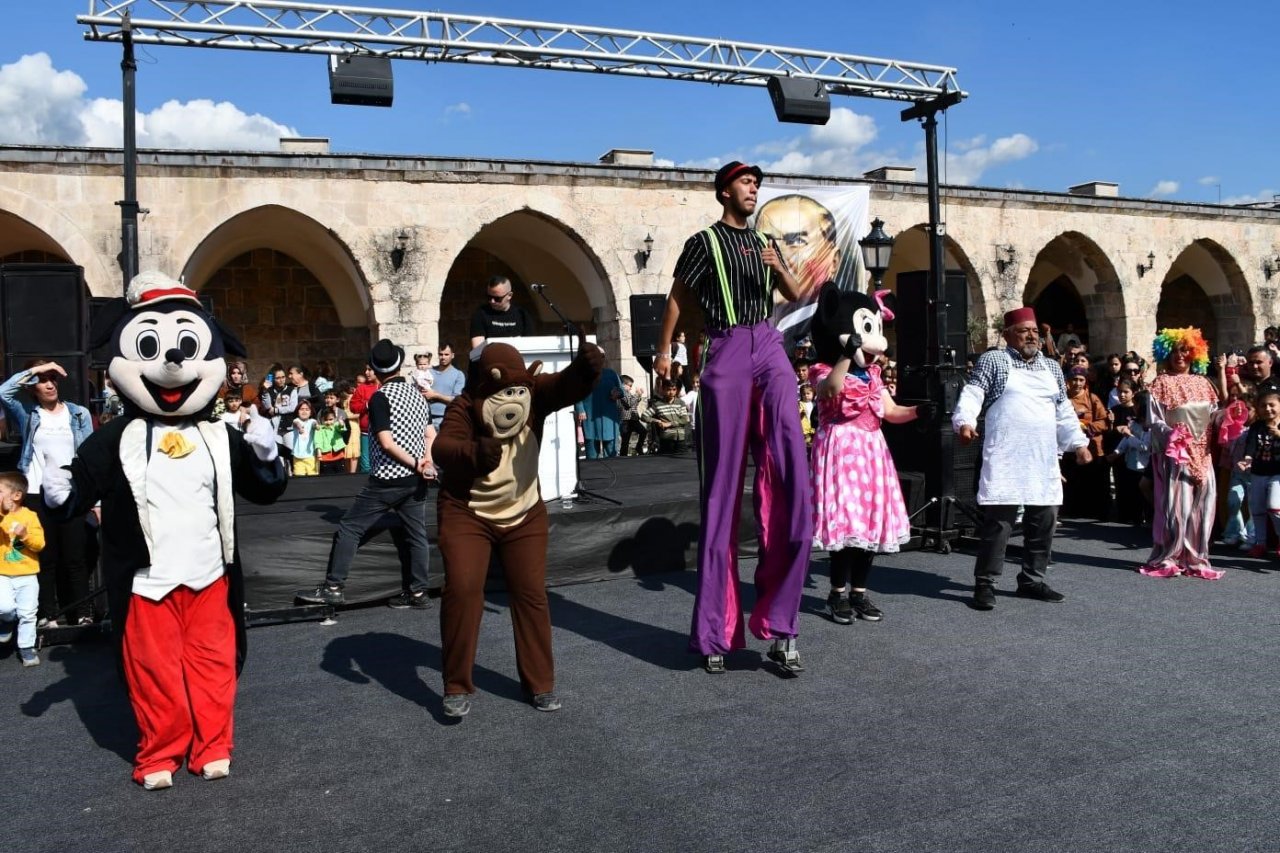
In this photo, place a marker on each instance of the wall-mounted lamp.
(642, 256)
(1151, 262)
(1006, 256)
(1271, 266)
(397, 254)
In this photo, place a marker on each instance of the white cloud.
(1267, 195)
(43, 106)
(461, 109)
(1163, 188)
(1209, 181)
(976, 157)
(844, 147)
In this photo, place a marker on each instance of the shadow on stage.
(93, 687)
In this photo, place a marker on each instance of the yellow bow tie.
(175, 445)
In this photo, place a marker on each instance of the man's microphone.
(537, 288)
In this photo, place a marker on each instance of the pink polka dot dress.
(857, 502)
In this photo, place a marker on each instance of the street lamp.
(876, 247)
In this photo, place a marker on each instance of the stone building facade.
(310, 256)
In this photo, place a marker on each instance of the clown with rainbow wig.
(1182, 401)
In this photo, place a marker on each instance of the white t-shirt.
(186, 549)
(53, 446)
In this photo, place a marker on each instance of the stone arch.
(27, 226)
(288, 286)
(911, 253)
(297, 235)
(529, 246)
(1205, 287)
(1073, 263)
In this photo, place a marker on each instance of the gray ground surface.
(1137, 715)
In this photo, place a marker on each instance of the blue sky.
(1166, 98)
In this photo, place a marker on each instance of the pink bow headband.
(884, 309)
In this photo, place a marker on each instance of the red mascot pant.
(180, 665)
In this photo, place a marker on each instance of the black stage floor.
(652, 528)
(1138, 715)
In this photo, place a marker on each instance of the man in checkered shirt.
(399, 469)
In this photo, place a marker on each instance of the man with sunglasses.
(1029, 424)
(499, 317)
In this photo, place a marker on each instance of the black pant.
(630, 427)
(409, 503)
(64, 572)
(850, 565)
(1037, 541)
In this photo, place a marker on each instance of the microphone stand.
(579, 492)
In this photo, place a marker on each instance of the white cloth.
(1024, 434)
(681, 354)
(53, 446)
(186, 546)
(690, 400)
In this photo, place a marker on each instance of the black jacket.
(110, 467)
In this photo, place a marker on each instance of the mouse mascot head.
(848, 323)
(166, 350)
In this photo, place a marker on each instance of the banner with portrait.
(817, 230)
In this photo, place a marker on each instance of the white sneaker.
(157, 781)
(219, 769)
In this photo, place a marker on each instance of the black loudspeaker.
(950, 469)
(800, 99)
(45, 316)
(646, 324)
(45, 308)
(361, 80)
(912, 317)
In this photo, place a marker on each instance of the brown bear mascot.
(487, 450)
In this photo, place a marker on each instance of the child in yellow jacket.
(21, 539)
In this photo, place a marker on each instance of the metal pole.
(129, 205)
(937, 327)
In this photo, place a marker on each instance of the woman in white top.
(51, 430)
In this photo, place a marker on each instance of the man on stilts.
(747, 400)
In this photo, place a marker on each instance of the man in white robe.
(1029, 424)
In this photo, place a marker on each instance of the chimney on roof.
(627, 157)
(304, 144)
(892, 173)
(1100, 189)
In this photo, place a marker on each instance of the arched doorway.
(1073, 283)
(528, 247)
(911, 254)
(1205, 288)
(288, 287)
(23, 243)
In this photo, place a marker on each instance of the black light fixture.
(642, 256)
(1151, 262)
(1270, 267)
(397, 254)
(876, 247)
(1005, 258)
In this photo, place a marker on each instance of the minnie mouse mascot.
(858, 510)
(165, 476)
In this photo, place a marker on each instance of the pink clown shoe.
(1206, 573)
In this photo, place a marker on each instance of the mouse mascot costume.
(165, 476)
(858, 510)
(487, 450)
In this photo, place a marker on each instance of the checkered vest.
(410, 413)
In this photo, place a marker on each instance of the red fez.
(1019, 315)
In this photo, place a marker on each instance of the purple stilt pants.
(748, 398)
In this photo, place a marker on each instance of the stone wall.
(283, 314)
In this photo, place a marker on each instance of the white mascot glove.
(57, 486)
(260, 435)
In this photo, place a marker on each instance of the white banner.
(817, 229)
